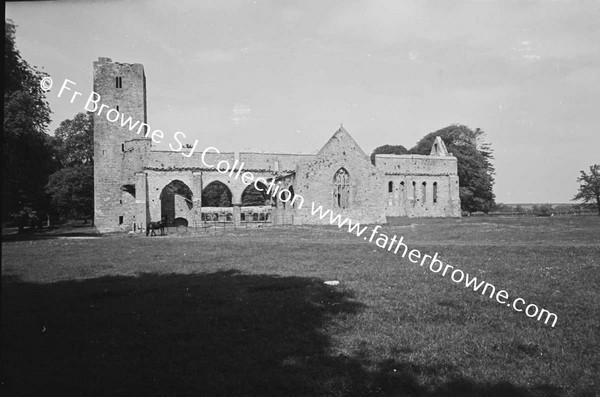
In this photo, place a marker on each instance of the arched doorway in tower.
(217, 203)
(127, 207)
(256, 204)
(176, 202)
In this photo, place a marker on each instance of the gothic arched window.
(341, 189)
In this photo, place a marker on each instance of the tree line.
(43, 176)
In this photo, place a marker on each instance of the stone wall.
(422, 186)
(315, 182)
(421, 196)
(273, 162)
(113, 166)
(416, 164)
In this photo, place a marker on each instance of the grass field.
(245, 312)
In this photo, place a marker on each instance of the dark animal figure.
(153, 226)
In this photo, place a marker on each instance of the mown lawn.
(245, 312)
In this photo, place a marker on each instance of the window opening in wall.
(120, 220)
(424, 192)
(117, 108)
(341, 188)
(435, 192)
(390, 187)
(414, 184)
(119, 81)
(122, 147)
(401, 193)
(292, 194)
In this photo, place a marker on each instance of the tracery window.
(341, 189)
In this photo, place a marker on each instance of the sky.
(282, 76)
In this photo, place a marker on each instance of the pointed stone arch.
(176, 201)
(251, 196)
(216, 194)
(341, 189)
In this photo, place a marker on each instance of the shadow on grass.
(222, 333)
(51, 233)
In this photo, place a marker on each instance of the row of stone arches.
(419, 193)
(177, 202)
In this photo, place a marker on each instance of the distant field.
(245, 312)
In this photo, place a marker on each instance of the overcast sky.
(281, 76)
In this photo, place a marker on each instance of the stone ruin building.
(135, 183)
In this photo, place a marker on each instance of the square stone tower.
(119, 153)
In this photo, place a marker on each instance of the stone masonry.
(133, 184)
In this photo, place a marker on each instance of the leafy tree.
(27, 160)
(72, 191)
(216, 194)
(388, 149)
(589, 188)
(74, 140)
(225, 199)
(475, 169)
(72, 187)
(252, 196)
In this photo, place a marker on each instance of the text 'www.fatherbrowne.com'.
(435, 265)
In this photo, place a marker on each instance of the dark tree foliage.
(27, 159)
(475, 169)
(74, 151)
(74, 140)
(254, 197)
(72, 191)
(216, 194)
(388, 149)
(589, 188)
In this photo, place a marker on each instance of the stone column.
(142, 215)
(197, 195)
(197, 188)
(237, 210)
